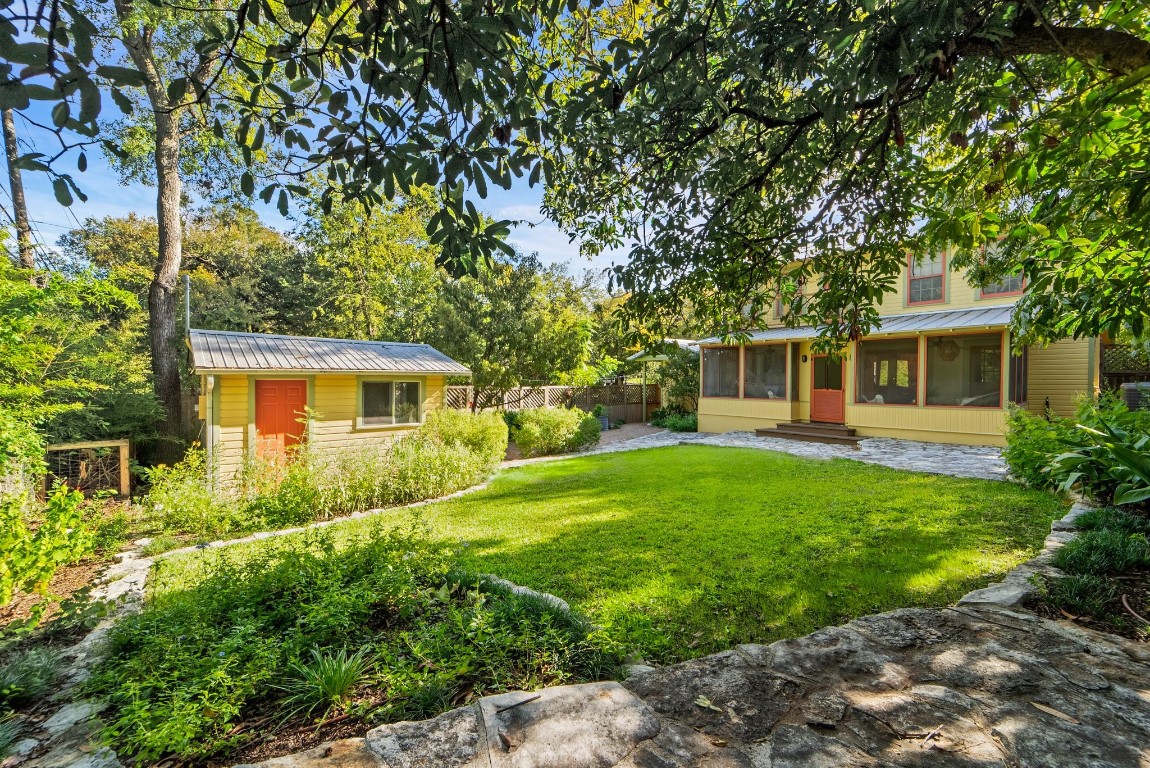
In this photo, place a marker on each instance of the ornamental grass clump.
(325, 681)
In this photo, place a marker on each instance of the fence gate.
(1121, 364)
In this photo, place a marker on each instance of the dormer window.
(925, 281)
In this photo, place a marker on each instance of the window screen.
(766, 371)
(377, 402)
(406, 402)
(721, 372)
(888, 372)
(964, 370)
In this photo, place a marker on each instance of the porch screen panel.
(964, 371)
(721, 372)
(765, 372)
(888, 372)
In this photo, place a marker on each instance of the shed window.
(888, 372)
(926, 276)
(766, 372)
(964, 370)
(389, 402)
(721, 372)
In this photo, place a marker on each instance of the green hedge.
(545, 431)
(452, 451)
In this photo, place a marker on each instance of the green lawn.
(681, 551)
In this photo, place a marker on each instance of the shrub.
(301, 603)
(1103, 551)
(1032, 443)
(483, 434)
(35, 541)
(688, 422)
(659, 416)
(26, 676)
(1104, 452)
(180, 499)
(1107, 464)
(545, 431)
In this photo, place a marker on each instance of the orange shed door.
(280, 405)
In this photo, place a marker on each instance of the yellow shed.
(264, 393)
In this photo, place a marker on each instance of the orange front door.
(280, 406)
(827, 395)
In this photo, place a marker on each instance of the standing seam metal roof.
(234, 351)
(944, 320)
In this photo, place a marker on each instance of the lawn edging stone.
(1019, 585)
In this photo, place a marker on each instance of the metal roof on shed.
(219, 351)
(919, 322)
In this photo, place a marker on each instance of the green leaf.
(63, 194)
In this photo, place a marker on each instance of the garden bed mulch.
(66, 582)
(1135, 587)
(269, 739)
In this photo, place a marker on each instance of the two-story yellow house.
(940, 368)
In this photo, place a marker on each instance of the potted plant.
(600, 412)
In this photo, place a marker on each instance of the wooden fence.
(624, 402)
(1121, 364)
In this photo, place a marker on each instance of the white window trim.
(360, 424)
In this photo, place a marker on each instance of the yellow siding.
(725, 414)
(231, 417)
(1062, 372)
(334, 400)
(968, 426)
(957, 294)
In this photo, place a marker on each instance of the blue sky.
(108, 197)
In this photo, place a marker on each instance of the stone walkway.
(957, 460)
(985, 683)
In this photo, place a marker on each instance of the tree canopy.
(751, 140)
(725, 142)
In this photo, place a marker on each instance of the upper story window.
(1009, 285)
(925, 281)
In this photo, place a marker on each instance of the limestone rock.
(573, 726)
(455, 739)
(345, 753)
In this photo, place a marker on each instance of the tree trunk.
(16, 185)
(163, 329)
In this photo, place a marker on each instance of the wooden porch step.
(832, 434)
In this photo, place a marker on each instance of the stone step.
(810, 436)
(817, 427)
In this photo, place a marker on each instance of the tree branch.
(1113, 49)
